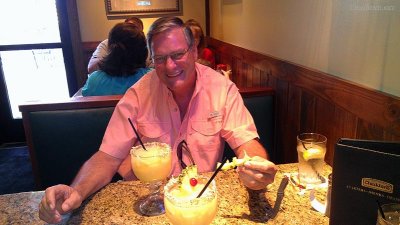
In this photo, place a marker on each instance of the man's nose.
(169, 62)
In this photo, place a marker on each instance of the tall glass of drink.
(311, 149)
(152, 166)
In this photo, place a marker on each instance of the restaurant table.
(116, 204)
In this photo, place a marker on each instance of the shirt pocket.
(206, 128)
(206, 143)
(206, 132)
(154, 131)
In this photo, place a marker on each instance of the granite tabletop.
(116, 204)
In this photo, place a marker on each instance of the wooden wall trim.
(373, 106)
(90, 46)
(73, 23)
(313, 101)
(207, 12)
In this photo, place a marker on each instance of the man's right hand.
(58, 200)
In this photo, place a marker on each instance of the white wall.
(94, 25)
(357, 40)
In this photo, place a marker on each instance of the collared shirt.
(216, 113)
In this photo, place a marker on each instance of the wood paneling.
(312, 101)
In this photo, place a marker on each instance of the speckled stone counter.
(115, 204)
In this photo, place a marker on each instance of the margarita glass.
(152, 166)
(183, 206)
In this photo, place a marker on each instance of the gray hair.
(164, 24)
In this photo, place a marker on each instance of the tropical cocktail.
(152, 166)
(181, 203)
(311, 149)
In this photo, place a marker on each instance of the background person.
(102, 49)
(179, 100)
(205, 55)
(124, 65)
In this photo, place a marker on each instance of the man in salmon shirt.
(180, 100)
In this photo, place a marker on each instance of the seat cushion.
(64, 139)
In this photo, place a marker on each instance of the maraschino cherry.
(193, 182)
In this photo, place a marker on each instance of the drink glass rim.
(392, 205)
(321, 138)
(209, 195)
(164, 150)
(387, 208)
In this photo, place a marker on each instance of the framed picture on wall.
(118, 9)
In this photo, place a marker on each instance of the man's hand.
(58, 200)
(94, 174)
(257, 173)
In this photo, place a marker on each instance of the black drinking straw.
(212, 177)
(137, 135)
(381, 210)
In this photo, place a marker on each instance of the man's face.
(174, 61)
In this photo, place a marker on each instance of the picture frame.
(119, 9)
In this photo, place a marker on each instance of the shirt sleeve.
(119, 136)
(238, 125)
(100, 52)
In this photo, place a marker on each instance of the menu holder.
(364, 171)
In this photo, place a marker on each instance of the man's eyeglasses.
(160, 59)
(182, 146)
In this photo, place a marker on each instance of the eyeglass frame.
(179, 152)
(174, 56)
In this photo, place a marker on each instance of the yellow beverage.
(152, 164)
(182, 206)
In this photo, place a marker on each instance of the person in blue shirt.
(123, 66)
(102, 49)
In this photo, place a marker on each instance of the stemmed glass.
(152, 166)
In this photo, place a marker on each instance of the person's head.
(127, 50)
(198, 34)
(173, 53)
(134, 20)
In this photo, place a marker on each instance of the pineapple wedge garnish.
(184, 179)
(235, 162)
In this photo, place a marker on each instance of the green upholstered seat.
(262, 110)
(64, 139)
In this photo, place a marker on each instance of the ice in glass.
(311, 149)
